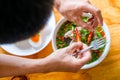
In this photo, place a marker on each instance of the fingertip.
(75, 45)
(86, 57)
(86, 26)
(96, 12)
(87, 54)
(92, 30)
(99, 17)
(101, 23)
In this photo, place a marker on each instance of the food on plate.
(35, 40)
(69, 32)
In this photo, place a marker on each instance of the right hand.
(63, 59)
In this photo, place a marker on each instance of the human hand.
(63, 59)
(60, 60)
(73, 10)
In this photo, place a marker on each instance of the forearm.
(12, 65)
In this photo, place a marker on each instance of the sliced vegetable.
(84, 32)
(35, 38)
(99, 35)
(99, 29)
(96, 51)
(77, 35)
(83, 38)
(94, 57)
(103, 34)
(85, 19)
(63, 39)
(89, 37)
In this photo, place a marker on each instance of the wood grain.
(109, 69)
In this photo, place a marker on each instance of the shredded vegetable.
(65, 37)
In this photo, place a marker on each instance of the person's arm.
(12, 65)
(73, 10)
(60, 60)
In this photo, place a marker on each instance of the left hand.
(73, 10)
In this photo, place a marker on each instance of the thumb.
(86, 56)
(75, 45)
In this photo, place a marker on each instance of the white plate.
(25, 48)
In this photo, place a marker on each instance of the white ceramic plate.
(25, 48)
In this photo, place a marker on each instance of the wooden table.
(109, 69)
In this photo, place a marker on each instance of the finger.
(91, 25)
(83, 47)
(100, 19)
(82, 24)
(75, 46)
(96, 12)
(89, 2)
(86, 56)
(77, 19)
(94, 23)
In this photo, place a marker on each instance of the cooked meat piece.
(68, 40)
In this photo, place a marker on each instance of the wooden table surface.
(109, 69)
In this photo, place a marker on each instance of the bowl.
(100, 59)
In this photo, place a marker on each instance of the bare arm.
(60, 61)
(12, 65)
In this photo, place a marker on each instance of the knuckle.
(98, 10)
(66, 49)
(73, 44)
(79, 23)
(85, 26)
(89, 58)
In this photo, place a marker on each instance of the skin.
(12, 65)
(73, 10)
(62, 59)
